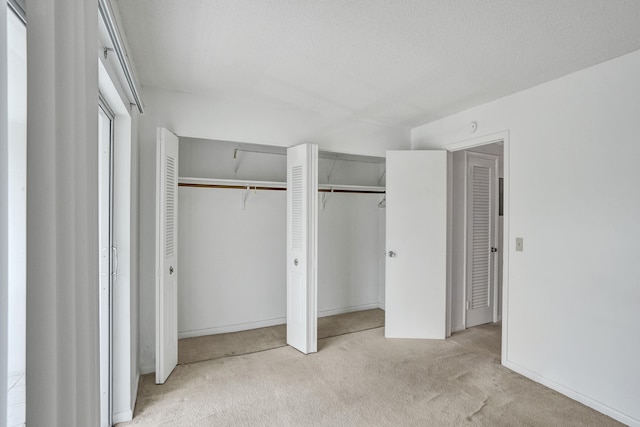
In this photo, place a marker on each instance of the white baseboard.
(134, 397)
(149, 369)
(457, 328)
(122, 417)
(268, 322)
(592, 403)
(232, 328)
(333, 312)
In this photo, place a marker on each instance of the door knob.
(391, 254)
(170, 270)
(295, 261)
(494, 249)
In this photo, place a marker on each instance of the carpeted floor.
(361, 379)
(210, 347)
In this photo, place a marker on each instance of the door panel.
(166, 255)
(416, 240)
(302, 237)
(481, 237)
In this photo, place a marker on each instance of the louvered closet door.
(481, 237)
(166, 255)
(302, 237)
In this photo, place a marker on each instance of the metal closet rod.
(259, 187)
(233, 187)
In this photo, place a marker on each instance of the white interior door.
(166, 255)
(416, 227)
(482, 222)
(302, 245)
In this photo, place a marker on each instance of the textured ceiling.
(360, 68)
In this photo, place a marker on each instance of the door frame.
(124, 288)
(503, 137)
(108, 266)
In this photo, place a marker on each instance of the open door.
(302, 245)
(416, 227)
(166, 255)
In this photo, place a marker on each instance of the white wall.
(202, 158)
(573, 297)
(192, 116)
(350, 252)
(216, 117)
(232, 260)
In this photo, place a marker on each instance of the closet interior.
(232, 235)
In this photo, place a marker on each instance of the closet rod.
(327, 190)
(236, 187)
(254, 187)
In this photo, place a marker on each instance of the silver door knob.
(391, 254)
(295, 261)
(170, 270)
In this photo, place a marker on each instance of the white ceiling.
(357, 69)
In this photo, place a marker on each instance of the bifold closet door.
(166, 255)
(302, 247)
(416, 240)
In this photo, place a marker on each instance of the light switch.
(519, 244)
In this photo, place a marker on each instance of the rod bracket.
(106, 51)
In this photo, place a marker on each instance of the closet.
(232, 235)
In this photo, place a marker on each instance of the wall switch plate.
(519, 244)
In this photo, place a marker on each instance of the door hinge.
(468, 305)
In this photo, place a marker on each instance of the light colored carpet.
(209, 347)
(361, 379)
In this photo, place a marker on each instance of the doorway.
(494, 249)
